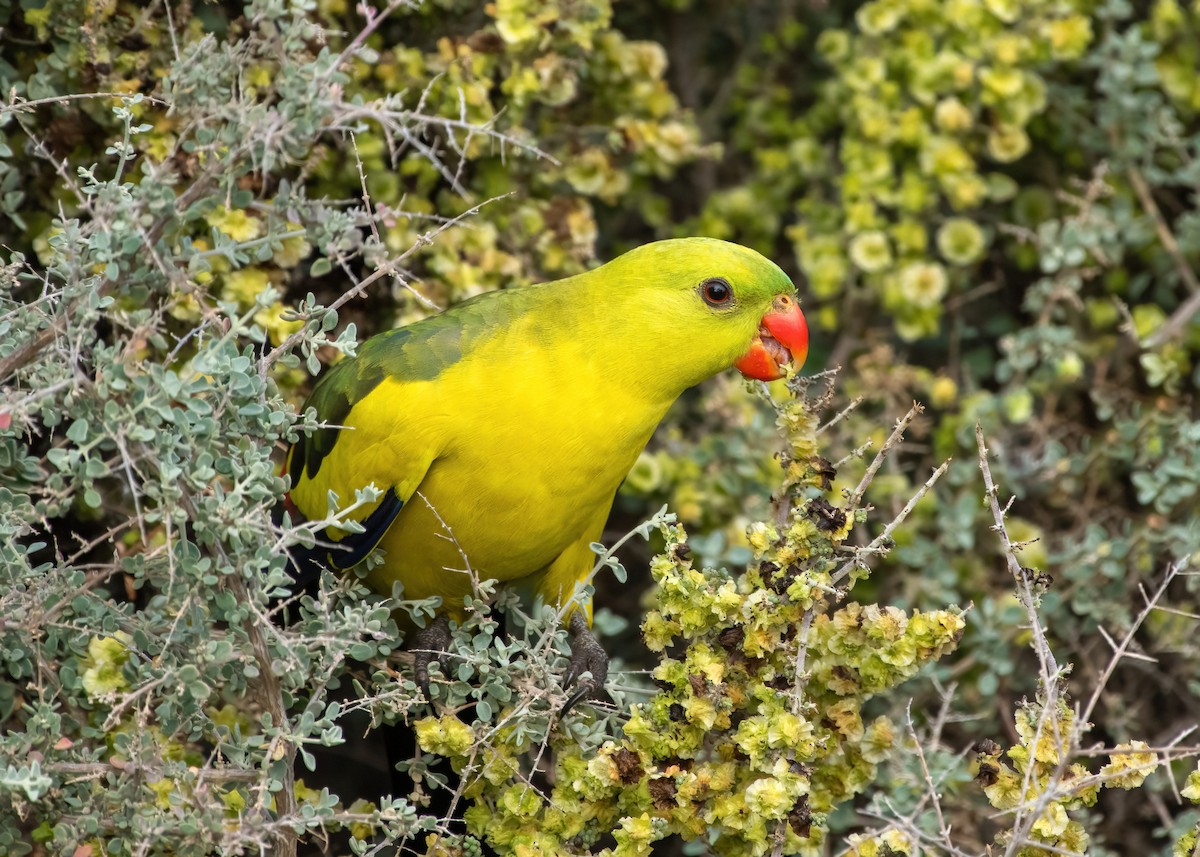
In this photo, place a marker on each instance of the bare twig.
(1183, 314)
(103, 769)
(1049, 666)
(374, 19)
(1165, 235)
(840, 415)
(20, 105)
(1120, 652)
(366, 193)
(1174, 325)
(893, 440)
(881, 543)
(931, 788)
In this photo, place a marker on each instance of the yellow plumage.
(505, 425)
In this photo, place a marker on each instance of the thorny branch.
(1049, 666)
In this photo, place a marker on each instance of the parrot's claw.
(428, 644)
(587, 655)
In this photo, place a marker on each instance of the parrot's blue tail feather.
(306, 564)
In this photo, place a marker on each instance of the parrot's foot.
(428, 644)
(587, 655)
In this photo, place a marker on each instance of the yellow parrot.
(501, 429)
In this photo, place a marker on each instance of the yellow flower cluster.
(544, 101)
(932, 101)
(1038, 775)
(103, 669)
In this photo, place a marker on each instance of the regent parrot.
(501, 429)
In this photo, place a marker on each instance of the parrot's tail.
(306, 563)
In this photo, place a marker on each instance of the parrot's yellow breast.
(508, 460)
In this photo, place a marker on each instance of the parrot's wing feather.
(372, 434)
(353, 549)
(419, 352)
(339, 390)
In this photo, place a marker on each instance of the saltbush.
(990, 206)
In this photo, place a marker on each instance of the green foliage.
(990, 206)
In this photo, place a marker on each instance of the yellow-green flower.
(1147, 318)
(1018, 408)
(1000, 188)
(769, 797)
(1191, 788)
(235, 802)
(445, 735)
(518, 21)
(1069, 37)
(521, 800)
(1129, 770)
(644, 60)
(961, 241)
(968, 15)
(915, 194)
(1007, 143)
(826, 275)
(1052, 822)
(943, 155)
(636, 834)
(942, 392)
(1002, 82)
(1005, 792)
(701, 712)
(1006, 10)
(917, 325)
(39, 19)
(184, 307)
(923, 284)
(592, 173)
(833, 45)
(870, 251)
(647, 473)
(964, 191)
(1069, 367)
(244, 285)
(879, 17)
(103, 673)
(861, 216)
(912, 127)
(272, 321)
(952, 115)
(292, 251)
(879, 739)
(910, 237)
(237, 224)
(361, 830)
(1074, 839)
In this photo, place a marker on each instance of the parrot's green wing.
(419, 352)
(372, 431)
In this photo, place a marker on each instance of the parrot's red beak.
(782, 338)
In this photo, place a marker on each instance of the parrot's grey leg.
(587, 655)
(429, 644)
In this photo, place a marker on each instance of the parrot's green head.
(700, 305)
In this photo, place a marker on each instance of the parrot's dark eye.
(716, 292)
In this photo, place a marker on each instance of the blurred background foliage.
(990, 206)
